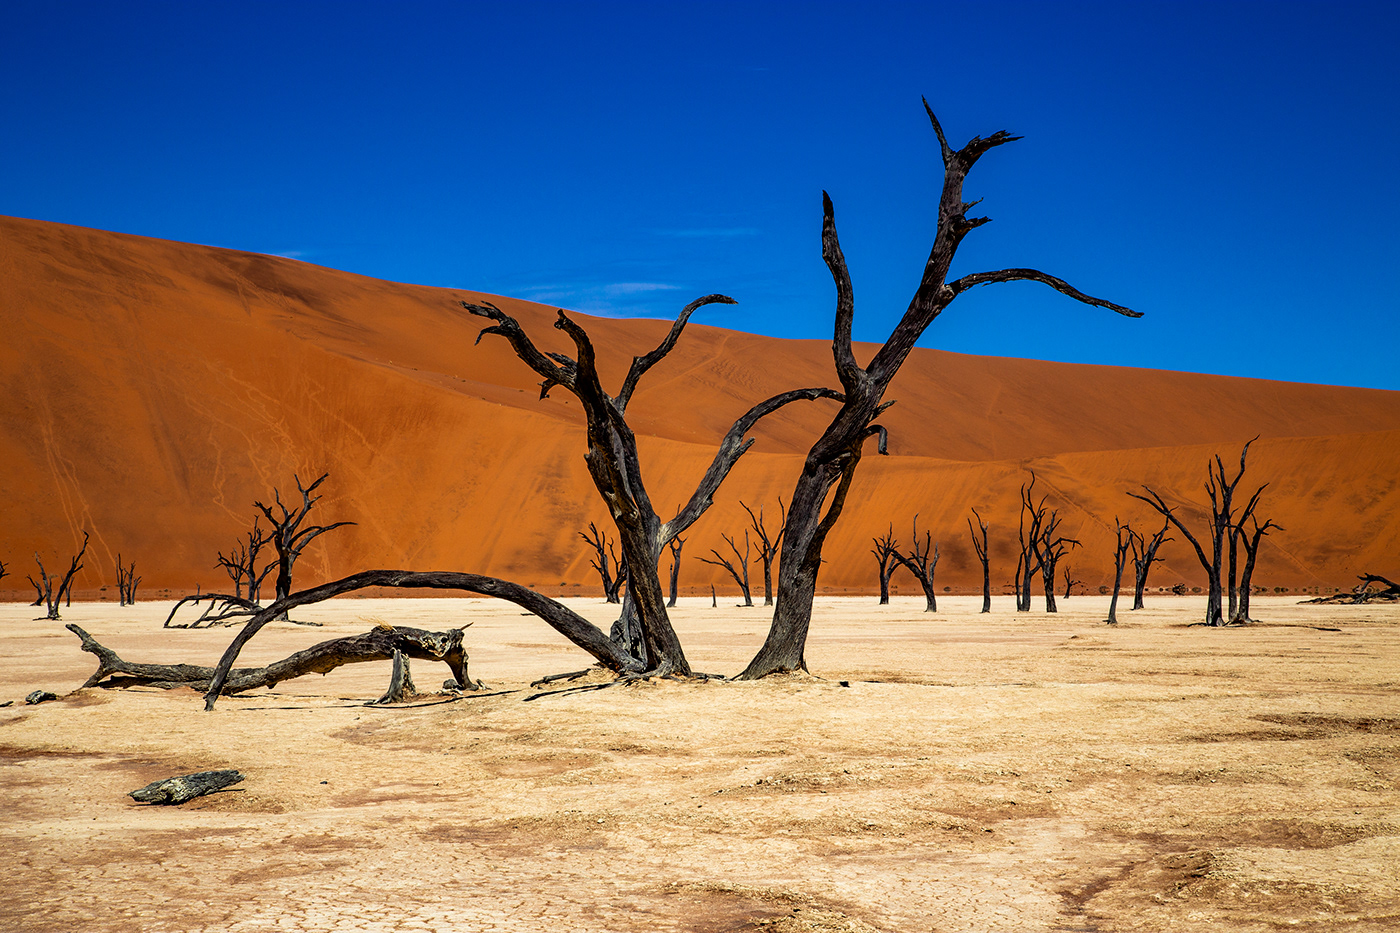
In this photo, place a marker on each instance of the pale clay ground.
(988, 774)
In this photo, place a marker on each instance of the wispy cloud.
(637, 288)
(602, 298)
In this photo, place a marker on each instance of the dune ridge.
(154, 389)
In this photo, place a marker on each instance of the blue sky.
(1229, 169)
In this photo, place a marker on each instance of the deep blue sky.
(1230, 169)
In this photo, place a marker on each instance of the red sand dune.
(155, 389)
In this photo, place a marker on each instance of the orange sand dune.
(155, 389)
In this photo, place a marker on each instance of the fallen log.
(378, 644)
(177, 790)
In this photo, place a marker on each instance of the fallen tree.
(1387, 591)
(378, 644)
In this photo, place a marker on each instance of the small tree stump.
(40, 696)
(185, 787)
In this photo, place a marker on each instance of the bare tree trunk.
(675, 545)
(1120, 560)
(886, 551)
(287, 536)
(1251, 549)
(606, 561)
(1144, 556)
(922, 562)
(979, 544)
(126, 582)
(50, 598)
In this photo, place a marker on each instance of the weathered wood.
(1120, 561)
(48, 597)
(379, 644)
(979, 544)
(401, 688)
(832, 460)
(768, 544)
(186, 787)
(1144, 556)
(922, 562)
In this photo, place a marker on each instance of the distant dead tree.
(1070, 583)
(1144, 556)
(738, 568)
(1120, 560)
(611, 569)
(1223, 531)
(3, 571)
(922, 562)
(674, 546)
(1250, 543)
(126, 582)
(1028, 536)
(831, 463)
(288, 538)
(1049, 549)
(768, 544)
(979, 544)
(287, 535)
(45, 584)
(886, 551)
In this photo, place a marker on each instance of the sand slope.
(155, 389)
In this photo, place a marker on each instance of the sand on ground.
(949, 772)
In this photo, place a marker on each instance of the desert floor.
(949, 772)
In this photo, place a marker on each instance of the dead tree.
(606, 562)
(886, 551)
(832, 461)
(1050, 549)
(1028, 536)
(1220, 531)
(922, 562)
(1387, 591)
(126, 582)
(644, 631)
(1070, 583)
(3, 571)
(675, 545)
(287, 535)
(45, 584)
(768, 544)
(1144, 556)
(979, 544)
(1250, 543)
(561, 618)
(1120, 561)
(738, 568)
(379, 644)
(241, 565)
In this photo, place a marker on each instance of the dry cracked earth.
(953, 772)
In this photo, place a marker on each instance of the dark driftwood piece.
(979, 544)
(922, 562)
(886, 551)
(833, 459)
(177, 790)
(738, 568)
(379, 644)
(644, 632)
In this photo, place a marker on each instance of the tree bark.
(980, 546)
(832, 460)
(186, 787)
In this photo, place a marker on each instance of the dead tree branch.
(886, 551)
(979, 544)
(738, 568)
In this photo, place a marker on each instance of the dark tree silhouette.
(1220, 532)
(611, 570)
(831, 463)
(922, 562)
(886, 551)
(979, 544)
(241, 565)
(644, 632)
(1250, 543)
(287, 535)
(48, 597)
(1144, 556)
(1070, 583)
(1049, 549)
(126, 582)
(1120, 560)
(1028, 536)
(675, 545)
(738, 568)
(768, 544)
